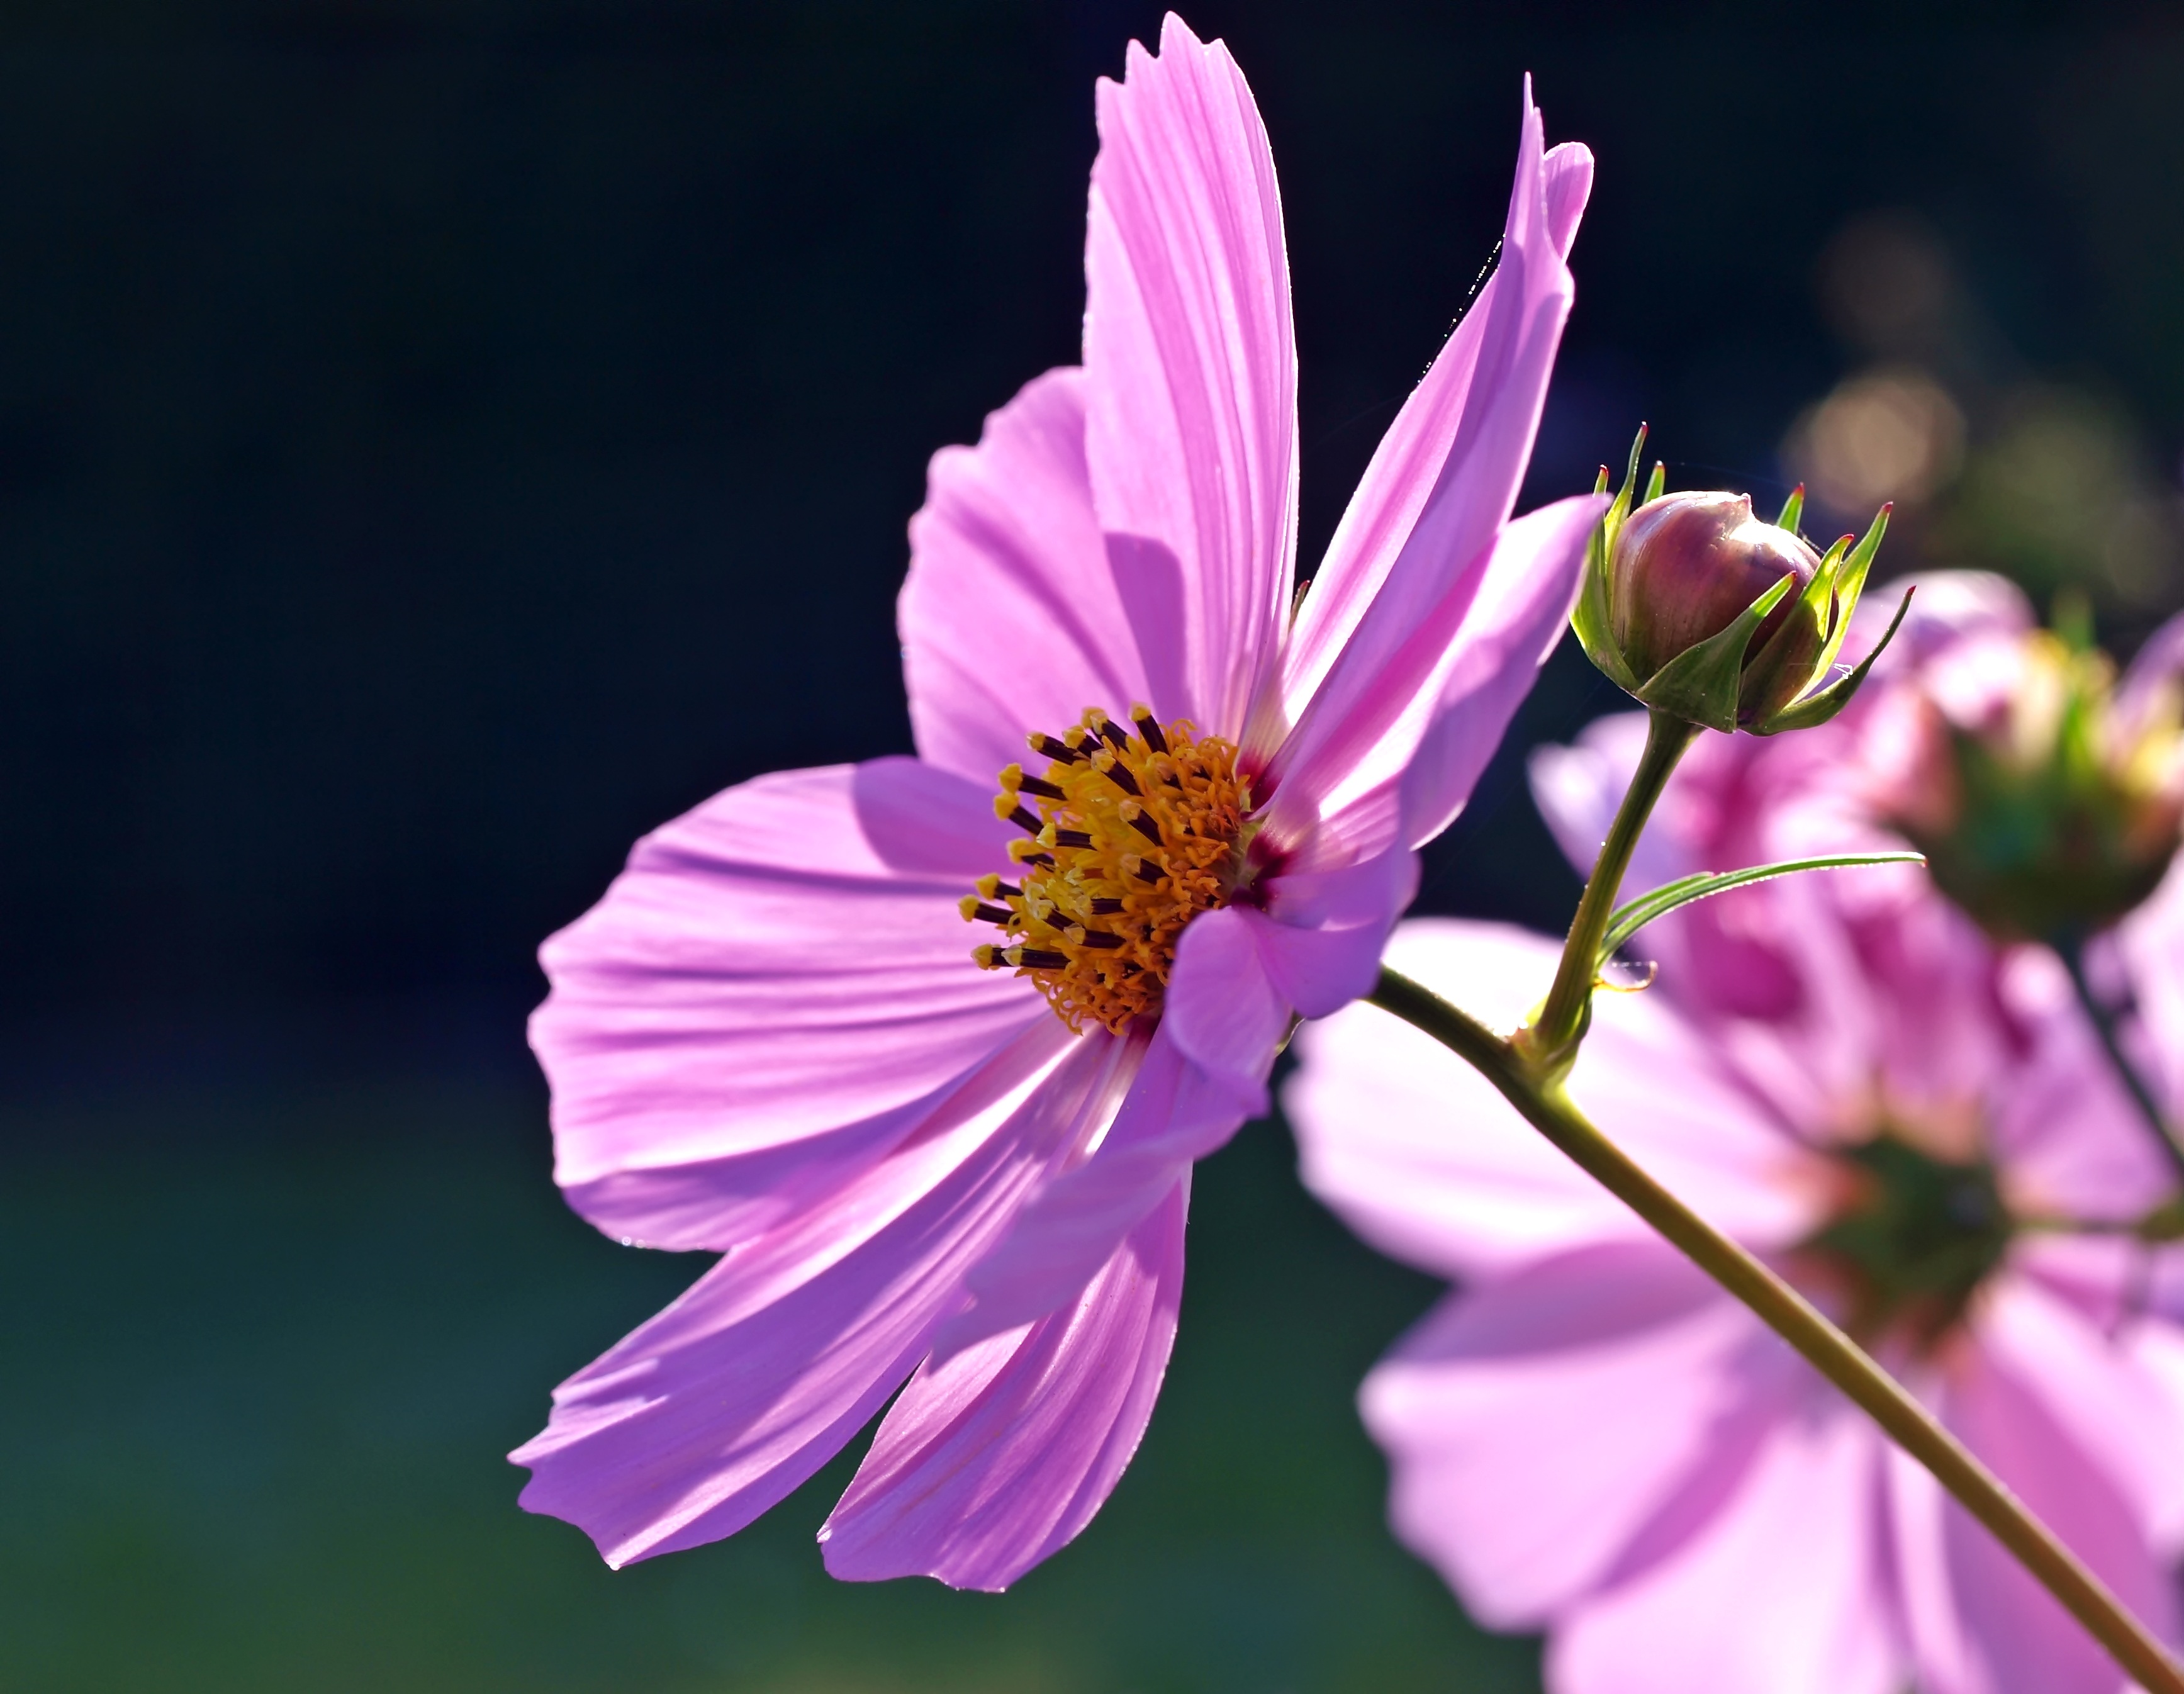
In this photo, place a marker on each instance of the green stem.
(1555, 1033)
(1790, 1315)
(2072, 948)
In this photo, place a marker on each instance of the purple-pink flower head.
(1918, 1130)
(954, 1159)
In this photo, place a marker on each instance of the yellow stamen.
(1134, 836)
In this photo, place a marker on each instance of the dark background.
(440, 441)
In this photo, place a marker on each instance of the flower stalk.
(1539, 1095)
(2072, 948)
(1549, 1043)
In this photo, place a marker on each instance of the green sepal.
(1700, 685)
(1593, 617)
(1656, 482)
(1816, 603)
(1849, 585)
(1633, 916)
(1793, 509)
(1816, 709)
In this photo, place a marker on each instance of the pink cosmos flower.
(967, 1171)
(1590, 1438)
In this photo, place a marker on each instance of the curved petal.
(776, 991)
(1506, 1475)
(1204, 1074)
(716, 1409)
(994, 1460)
(1322, 935)
(1192, 364)
(1422, 711)
(1012, 621)
(1421, 1156)
(1446, 475)
(1528, 591)
(1781, 1588)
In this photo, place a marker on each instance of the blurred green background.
(441, 439)
(260, 1381)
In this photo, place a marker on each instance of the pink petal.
(2153, 676)
(2070, 1139)
(1012, 621)
(992, 1461)
(1204, 1073)
(1223, 1012)
(1781, 1588)
(1981, 1625)
(1425, 708)
(1949, 606)
(1192, 373)
(1511, 1474)
(1422, 1158)
(1322, 935)
(1528, 591)
(1578, 788)
(716, 1409)
(777, 991)
(1446, 475)
(2150, 945)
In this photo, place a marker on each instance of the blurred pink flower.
(769, 1039)
(1839, 1070)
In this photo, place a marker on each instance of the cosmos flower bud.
(2047, 803)
(1702, 610)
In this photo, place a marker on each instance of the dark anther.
(1024, 820)
(991, 914)
(1105, 908)
(1036, 859)
(1174, 781)
(1144, 824)
(1036, 785)
(1116, 739)
(1100, 938)
(1072, 838)
(1008, 888)
(1052, 748)
(1123, 779)
(1086, 748)
(1036, 959)
(1147, 872)
(1149, 726)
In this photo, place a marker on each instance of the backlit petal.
(1781, 1588)
(777, 989)
(714, 1410)
(1509, 1472)
(1191, 370)
(1445, 477)
(994, 1460)
(1011, 622)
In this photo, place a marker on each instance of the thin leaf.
(1633, 916)
(1793, 509)
(1656, 482)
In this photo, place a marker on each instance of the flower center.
(1132, 837)
(1915, 1238)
